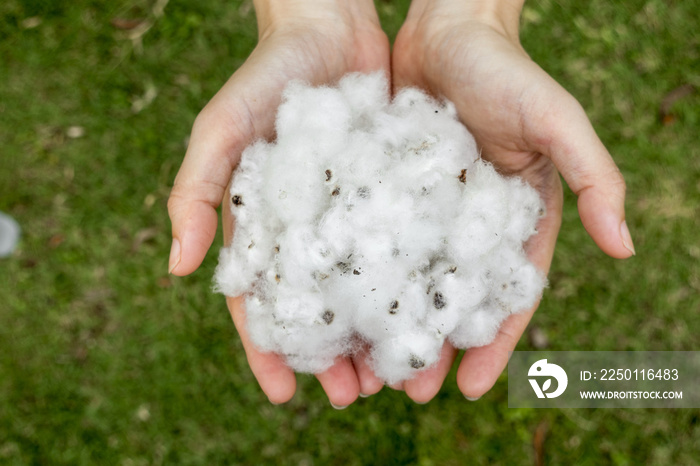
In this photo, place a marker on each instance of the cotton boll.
(367, 95)
(306, 332)
(340, 298)
(309, 350)
(232, 277)
(375, 221)
(443, 323)
(411, 104)
(259, 321)
(515, 286)
(376, 248)
(297, 307)
(414, 300)
(257, 248)
(401, 357)
(321, 112)
(450, 156)
(249, 253)
(456, 137)
(379, 310)
(524, 288)
(417, 167)
(294, 187)
(440, 193)
(393, 131)
(454, 295)
(479, 226)
(422, 239)
(302, 255)
(392, 314)
(362, 162)
(480, 328)
(379, 208)
(404, 123)
(311, 361)
(334, 231)
(472, 237)
(247, 208)
(446, 310)
(348, 280)
(525, 209)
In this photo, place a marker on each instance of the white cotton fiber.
(370, 221)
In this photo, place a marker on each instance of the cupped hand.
(314, 41)
(525, 124)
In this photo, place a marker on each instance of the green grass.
(105, 359)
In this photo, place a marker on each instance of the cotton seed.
(416, 362)
(438, 300)
(394, 307)
(328, 316)
(463, 176)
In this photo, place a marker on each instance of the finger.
(424, 386)
(200, 184)
(480, 367)
(340, 383)
(276, 380)
(591, 173)
(369, 382)
(398, 386)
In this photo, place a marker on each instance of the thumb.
(591, 173)
(215, 144)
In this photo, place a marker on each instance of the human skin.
(466, 51)
(317, 41)
(527, 125)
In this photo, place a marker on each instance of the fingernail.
(338, 407)
(420, 402)
(471, 399)
(626, 238)
(362, 395)
(174, 255)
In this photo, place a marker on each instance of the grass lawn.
(106, 359)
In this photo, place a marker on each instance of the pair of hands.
(465, 51)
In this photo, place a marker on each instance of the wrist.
(503, 12)
(501, 15)
(273, 15)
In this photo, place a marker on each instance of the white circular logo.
(542, 368)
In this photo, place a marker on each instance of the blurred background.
(106, 359)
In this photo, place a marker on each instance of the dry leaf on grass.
(665, 114)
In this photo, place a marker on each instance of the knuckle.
(618, 184)
(204, 119)
(175, 200)
(618, 181)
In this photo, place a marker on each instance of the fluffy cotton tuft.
(371, 221)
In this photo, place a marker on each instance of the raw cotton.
(370, 221)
